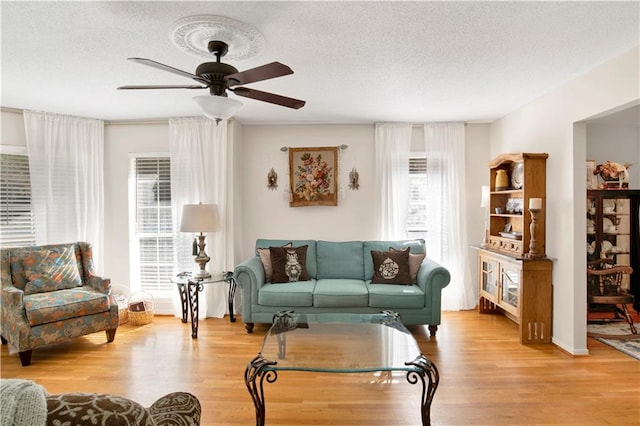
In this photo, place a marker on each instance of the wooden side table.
(189, 288)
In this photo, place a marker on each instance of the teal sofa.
(340, 282)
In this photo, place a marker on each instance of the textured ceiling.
(354, 61)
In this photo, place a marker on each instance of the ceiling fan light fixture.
(217, 107)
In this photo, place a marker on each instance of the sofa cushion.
(51, 268)
(391, 296)
(415, 260)
(416, 246)
(43, 308)
(391, 267)
(293, 294)
(311, 251)
(87, 408)
(340, 260)
(333, 293)
(288, 264)
(265, 258)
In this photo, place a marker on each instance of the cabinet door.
(509, 294)
(489, 278)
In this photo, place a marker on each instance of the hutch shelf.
(510, 282)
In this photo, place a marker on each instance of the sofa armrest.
(103, 285)
(11, 298)
(432, 278)
(249, 275)
(13, 320)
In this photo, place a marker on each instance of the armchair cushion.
(43, 308)
(51, 268)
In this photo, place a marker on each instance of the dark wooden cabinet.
(613, 232)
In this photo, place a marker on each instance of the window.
(152, 239)
(16, 216)
(416, 217)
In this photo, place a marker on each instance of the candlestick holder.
(534, 250)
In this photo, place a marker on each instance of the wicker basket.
(140, 317)
(122, 295)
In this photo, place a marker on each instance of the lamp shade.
(200, 218)
(484, 197)
(217, 107)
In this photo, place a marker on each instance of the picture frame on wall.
(592, 180)
(313, 176)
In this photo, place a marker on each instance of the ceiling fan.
(219, 77)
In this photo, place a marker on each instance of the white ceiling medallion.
(193, 33)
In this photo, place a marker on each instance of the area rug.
(617, 336)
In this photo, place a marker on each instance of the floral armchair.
(49, 294)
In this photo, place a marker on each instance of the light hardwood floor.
(486, 377)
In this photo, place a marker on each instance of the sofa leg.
(249, 327)
(25, 358)
(111, 334)
(432, 330)
(4, 341)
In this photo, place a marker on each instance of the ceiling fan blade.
(164, 67)
(264, 72)
(160, 87)
(269, 97)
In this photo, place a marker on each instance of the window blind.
(16, 216)
(154, 226)
(416, 217)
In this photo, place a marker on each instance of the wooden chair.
(604, 291)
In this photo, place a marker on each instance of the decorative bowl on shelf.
(511, 235)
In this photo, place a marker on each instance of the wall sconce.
(354, 176)
(272, 180)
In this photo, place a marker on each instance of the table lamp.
(484, 202)
(200, 218)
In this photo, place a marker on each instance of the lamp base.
(202, 259)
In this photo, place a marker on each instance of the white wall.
(547, 125)
(478, 155)
(266, 214)
(12, 128)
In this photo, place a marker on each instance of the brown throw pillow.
(289, 264)
(391, 267)
(415, 260)
(265, 258)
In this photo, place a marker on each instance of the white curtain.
(392, 151)
(446, 216)
(202, 172)
(66, 156)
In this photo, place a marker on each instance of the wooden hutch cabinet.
(510, 282)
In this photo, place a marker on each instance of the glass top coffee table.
(339, 343)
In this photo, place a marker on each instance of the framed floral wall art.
(313, 176)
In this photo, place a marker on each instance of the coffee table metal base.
(260, 370)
